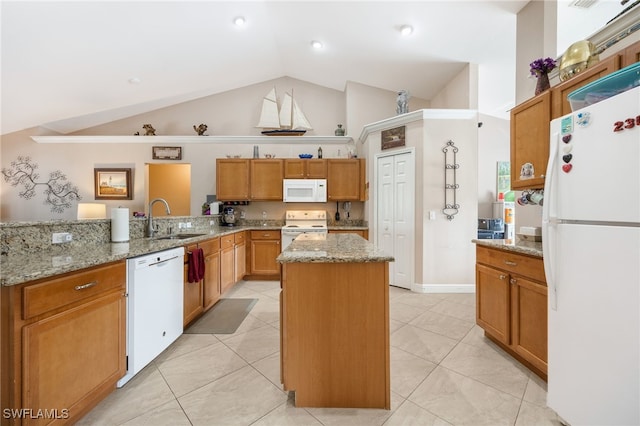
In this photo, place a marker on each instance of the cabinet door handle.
(510, 263)
(513, 281)
(87, 285)
(502, 277)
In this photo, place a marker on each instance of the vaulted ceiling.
(72, 65)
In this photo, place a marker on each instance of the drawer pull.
(502, 277)
(513, 281)
(266, 235)
(510, 263)
(87, 285)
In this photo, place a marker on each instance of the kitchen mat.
(224, 318)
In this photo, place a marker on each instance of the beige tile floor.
(443, 372)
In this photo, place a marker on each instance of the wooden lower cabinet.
(511, 304)
(227, 264)
(240, 256)
(193, 295)
(211, 291)
(334, 334)
(264, 248)
(63, 344)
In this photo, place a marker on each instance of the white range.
(303, 222)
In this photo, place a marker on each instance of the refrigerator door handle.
(549, 222)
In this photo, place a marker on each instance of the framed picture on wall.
(392, 138)
(112, 184)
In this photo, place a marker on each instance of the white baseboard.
(443, 288)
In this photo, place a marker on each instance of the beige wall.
(230, 113)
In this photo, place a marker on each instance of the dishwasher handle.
(163, 262)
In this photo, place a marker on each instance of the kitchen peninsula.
(334, 322)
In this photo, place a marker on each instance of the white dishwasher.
(154, 306)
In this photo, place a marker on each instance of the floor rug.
(224, 318)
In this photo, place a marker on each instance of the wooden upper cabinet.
(232, 179)
(266, 179)
(345, 179)
(631, 55)
(559, 104)
(530, 141)
(302, 168)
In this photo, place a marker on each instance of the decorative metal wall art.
(59, 193)
(450, 183)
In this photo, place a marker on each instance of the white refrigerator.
(591, 246)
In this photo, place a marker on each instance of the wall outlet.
(180, 225)
(61, 237)
(432, 215)
(188, 224)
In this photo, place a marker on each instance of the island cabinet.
(346, 179)
(530, 141)
(192, 302)
(334, 325)
(233, 179)
(63, 344)
(305, 168)
(511, 304)
(265, 248)
(266, 179)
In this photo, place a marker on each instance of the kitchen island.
(334, 322)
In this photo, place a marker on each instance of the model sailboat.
(289, 121)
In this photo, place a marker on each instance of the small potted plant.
(540, 68)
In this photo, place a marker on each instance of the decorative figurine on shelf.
(403, 102)
(540, 68)
(200, 129)
(149, 130)
(339, 131)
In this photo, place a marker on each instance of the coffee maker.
(228, 217)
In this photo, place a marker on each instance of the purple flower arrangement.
(542, 66)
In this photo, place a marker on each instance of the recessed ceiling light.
(406, 30)
(239, 21)
(134, 80)
(317, 44)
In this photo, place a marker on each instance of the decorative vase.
(339, 131)
(543, 83)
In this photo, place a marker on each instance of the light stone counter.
(531, 248)
(22, 267)
(332, 248)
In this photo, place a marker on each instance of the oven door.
(288, 236)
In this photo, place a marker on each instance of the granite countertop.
(332, 248)
(23, 267)
(519, 245)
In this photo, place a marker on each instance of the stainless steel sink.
(178, 236)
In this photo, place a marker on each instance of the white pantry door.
(395, 214)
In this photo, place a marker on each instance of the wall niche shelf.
(196, 139)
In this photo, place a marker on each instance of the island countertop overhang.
(332, 248)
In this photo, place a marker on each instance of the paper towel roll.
(119, 225)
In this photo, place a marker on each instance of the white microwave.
(304, 190)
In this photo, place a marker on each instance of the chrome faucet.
(150, 229)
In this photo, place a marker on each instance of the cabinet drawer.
(265, 235)
(226, 241)
(239, 237)
(210, 246)
(526, 266)
(58, 292)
